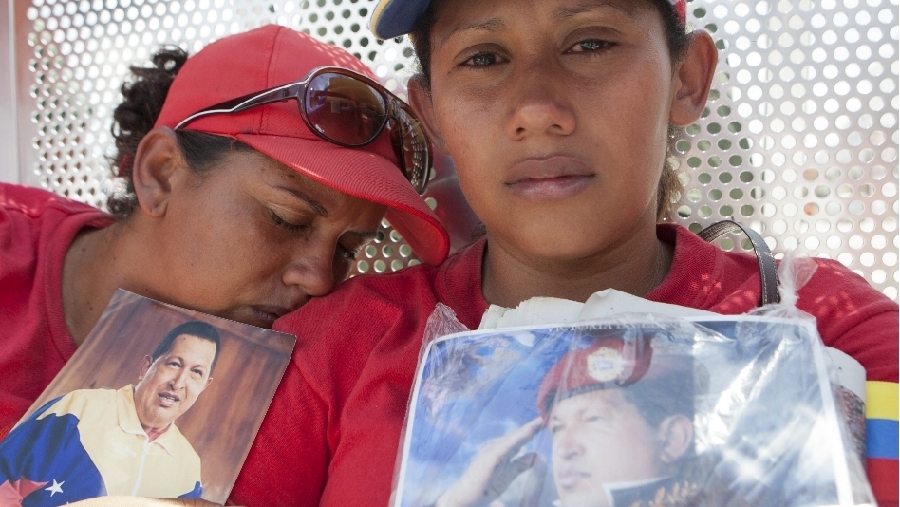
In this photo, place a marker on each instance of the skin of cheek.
(218, 250)
(224, 253)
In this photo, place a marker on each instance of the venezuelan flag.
(881, 439)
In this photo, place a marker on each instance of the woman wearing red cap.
(253, 172)
(556, 114)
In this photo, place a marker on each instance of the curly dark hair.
(142, 100)
(670, 187)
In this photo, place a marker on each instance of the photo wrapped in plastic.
(632, 410)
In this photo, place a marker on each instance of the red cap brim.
(365, 175)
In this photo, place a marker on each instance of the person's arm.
(862, 322)
(332, 433)
(494, 468)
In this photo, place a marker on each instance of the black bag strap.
(768, 271)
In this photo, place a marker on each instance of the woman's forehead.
(391, 18)
(558, 9)
(461, 16)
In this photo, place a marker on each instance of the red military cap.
(608, 362)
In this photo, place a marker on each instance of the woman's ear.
(420, 100)
(156, 165)
(676, 434)
(692, 79)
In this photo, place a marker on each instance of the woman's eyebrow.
(491, 25)
(317, 207)
(562, 13)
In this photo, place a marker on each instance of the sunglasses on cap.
(348, 109)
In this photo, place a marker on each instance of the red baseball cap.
(273, 55)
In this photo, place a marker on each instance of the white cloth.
(547, 311)
(550, 311)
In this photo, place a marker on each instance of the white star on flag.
(55, 488)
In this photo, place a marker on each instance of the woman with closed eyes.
(238, 199)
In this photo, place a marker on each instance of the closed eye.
(284, 224)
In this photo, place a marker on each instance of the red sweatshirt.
(332, 434)
(36, 229)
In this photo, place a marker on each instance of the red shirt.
(331, 436)
(36, 229)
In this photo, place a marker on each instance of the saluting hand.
(493, 469)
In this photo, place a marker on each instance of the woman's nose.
(312, 270)
(538, 106)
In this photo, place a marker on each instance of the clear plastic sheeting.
(632, 410)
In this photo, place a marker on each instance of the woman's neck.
(97, 263)
(636, 266)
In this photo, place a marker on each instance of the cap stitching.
(263, 117)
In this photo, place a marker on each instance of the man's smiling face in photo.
(170, 385)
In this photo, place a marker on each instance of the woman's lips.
(265, 316)
(550, 188)
(551, 178)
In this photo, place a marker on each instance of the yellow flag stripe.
(882, 400)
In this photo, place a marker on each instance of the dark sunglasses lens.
(343, 109)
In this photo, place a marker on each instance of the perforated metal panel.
(799, 139)
(800, 135)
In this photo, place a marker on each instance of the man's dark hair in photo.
(196, 328)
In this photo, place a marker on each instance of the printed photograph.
(662, 414)
(159, 402)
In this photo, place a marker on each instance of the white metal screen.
(799, 139)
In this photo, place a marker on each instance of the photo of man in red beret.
(621, 419)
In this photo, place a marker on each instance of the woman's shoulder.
(34, 202)
(833, 284)
(361, 315)
(27, 212)
(377, 301)
(366, 296)
(35, 224)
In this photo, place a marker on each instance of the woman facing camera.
(254, 172)
(556, 114)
